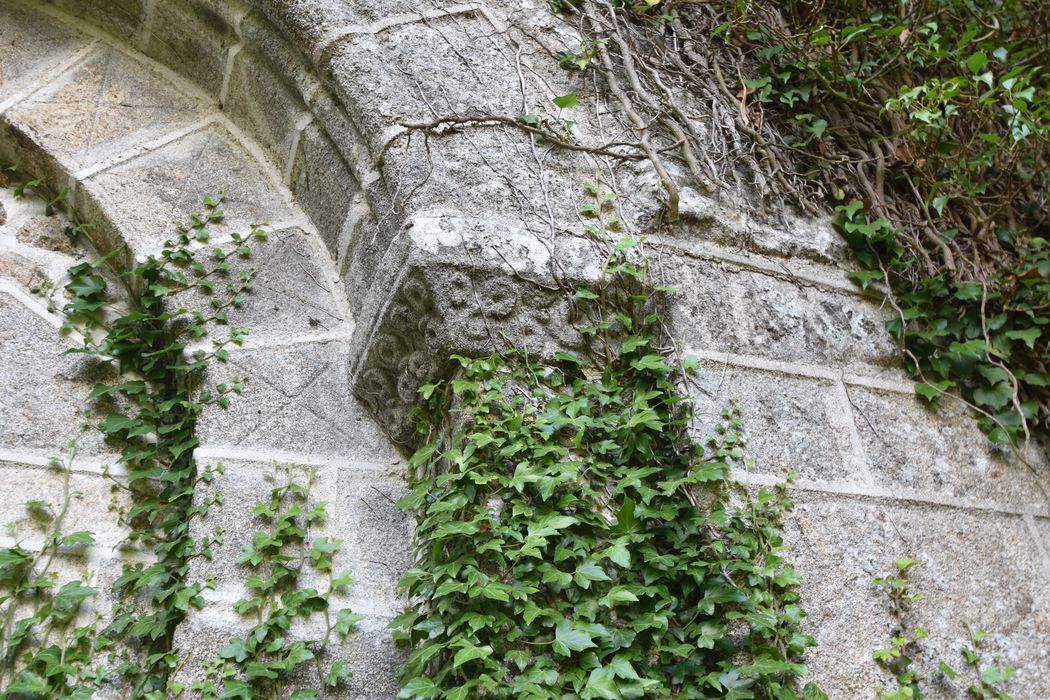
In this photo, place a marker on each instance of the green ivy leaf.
(234, 650)
(566, 101)
(419, 687)
(568, 639)
(77, 538)
(345, 620)
(471, 652)
(976, 62)
(1028, 336)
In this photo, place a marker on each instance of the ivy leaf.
(601, 683)
(69, 597)
(618, 554)
(765, 665)
(976, 62)
(234, 688)
(994, 675)
(710, 632)
(419, 687)
(28, 684)
(14, 556)
(77, 538)
(932, 391)
(653, 362)
(633, 342)
(345, 619)
(234, 650)
(469, 653)
(256, 669)
(587, 572)
(865, 277)
(995, 396)
(971, 348)
(117, 422)
(338, 672)
(968, 291)
(619, 594)
(566, 101)
(1029, 336)
(568, 639)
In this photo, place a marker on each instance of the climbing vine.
(899, 658)
(260, 664)
(46, 645)
(574, 540)
(137, 318)
(929, 123)
(141, 329)
(923, 125)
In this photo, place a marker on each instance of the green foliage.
(929, 123)
(279, 557)
(899, 658)
(47, 641)
(141, 330)
(572, 540)
(985, 340)
(132, 319)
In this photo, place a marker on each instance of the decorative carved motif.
(442, 310)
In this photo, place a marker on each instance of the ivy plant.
(900, 657)
(268, 662)
(573, 539)
(48, 633)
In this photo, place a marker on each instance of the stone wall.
(395, 248)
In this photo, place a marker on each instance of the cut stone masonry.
(394, 249)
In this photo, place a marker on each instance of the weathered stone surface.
(48, 232)
(273, 48)
(361, 504)
(106, 104)
(326, 188)
(725, 308)
(193, 38)
(726, 225)
(293, 295)
(297, 399)
(143, 196)
(32, 47)
(266, 105)
(22, 270)
(241, 486)
(977, 569)
(461, 286)
(483, 72)
(45, 390)
(378, 543)
(941, 451)
(368, 651)
(789, 422)
(119, 17)
(90, 495)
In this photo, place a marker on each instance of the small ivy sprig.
(899, 658)
(259, 664)
(45, 650)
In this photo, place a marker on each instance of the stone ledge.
(460, 286)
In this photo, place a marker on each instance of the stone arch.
(310, 97)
